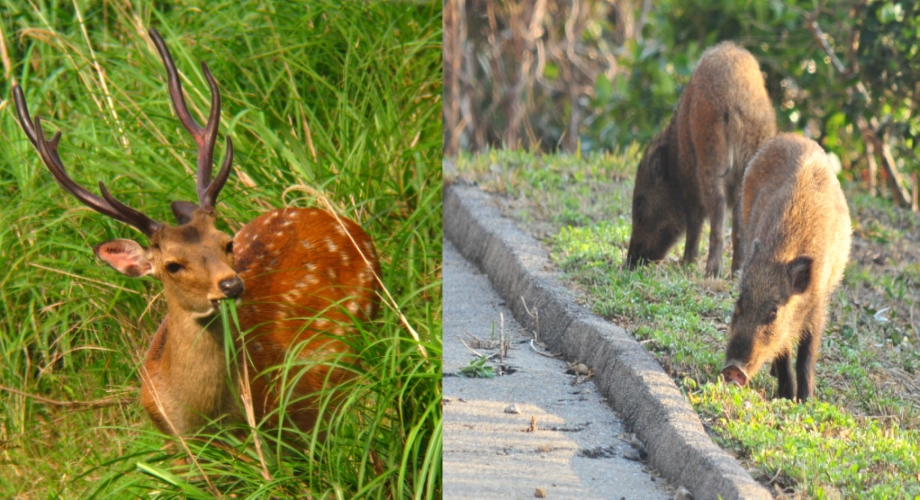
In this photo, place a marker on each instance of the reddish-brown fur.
(796, 245)
(692, 170)
(305, 280)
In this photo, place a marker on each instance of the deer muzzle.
(232, 288)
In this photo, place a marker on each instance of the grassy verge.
(323, 100)
(860, 435)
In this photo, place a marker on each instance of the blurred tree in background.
(595, 74)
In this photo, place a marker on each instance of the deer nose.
(232, 288)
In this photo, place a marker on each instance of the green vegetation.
(860, 435)
(326, 102)
(478, 369)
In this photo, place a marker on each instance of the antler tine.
(48, 151)
(210, 196)
(25, 121)
(205, 137)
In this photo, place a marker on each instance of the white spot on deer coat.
(308, 281)
(330, 245)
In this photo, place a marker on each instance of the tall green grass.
(336, 101)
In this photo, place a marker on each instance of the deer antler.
(205, 137)
(48, 151)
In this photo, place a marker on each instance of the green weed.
(478, 369)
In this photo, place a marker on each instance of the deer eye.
(230, 247)
(174, 267)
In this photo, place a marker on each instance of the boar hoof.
(713, 269)
(734, 374)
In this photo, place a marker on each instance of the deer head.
(193, 260)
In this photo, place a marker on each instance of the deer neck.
(194, 362)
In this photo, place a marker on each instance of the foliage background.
(324, 100)
(599, 74)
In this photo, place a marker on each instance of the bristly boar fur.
(692, 170)
(796, 246)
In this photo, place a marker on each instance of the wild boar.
(796, 244)
(692, 170)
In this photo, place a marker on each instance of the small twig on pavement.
(474, 351)
(548, 355)
(536, 319)
(501, 340)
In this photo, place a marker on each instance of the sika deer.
(303, 276)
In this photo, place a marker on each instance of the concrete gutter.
(633, 382)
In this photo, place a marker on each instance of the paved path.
(487, 452)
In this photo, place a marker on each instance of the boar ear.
(654, 161)
(755, 247)
(800, 273)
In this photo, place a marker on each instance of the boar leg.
(692, 243)
(805, 362)
(785, 377)
(737, 256)
(716, 234)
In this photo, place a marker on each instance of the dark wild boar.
(796, 244)
(693, 169)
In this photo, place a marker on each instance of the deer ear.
(125, 256)
(800, 273)
(183, 211)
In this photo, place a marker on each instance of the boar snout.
(633, 258)
(734, 373)
(646, 248)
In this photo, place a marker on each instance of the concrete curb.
(633, 382)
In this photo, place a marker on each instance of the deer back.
(308, 276)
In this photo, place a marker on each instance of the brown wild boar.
(692, 170)
(796, 243)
